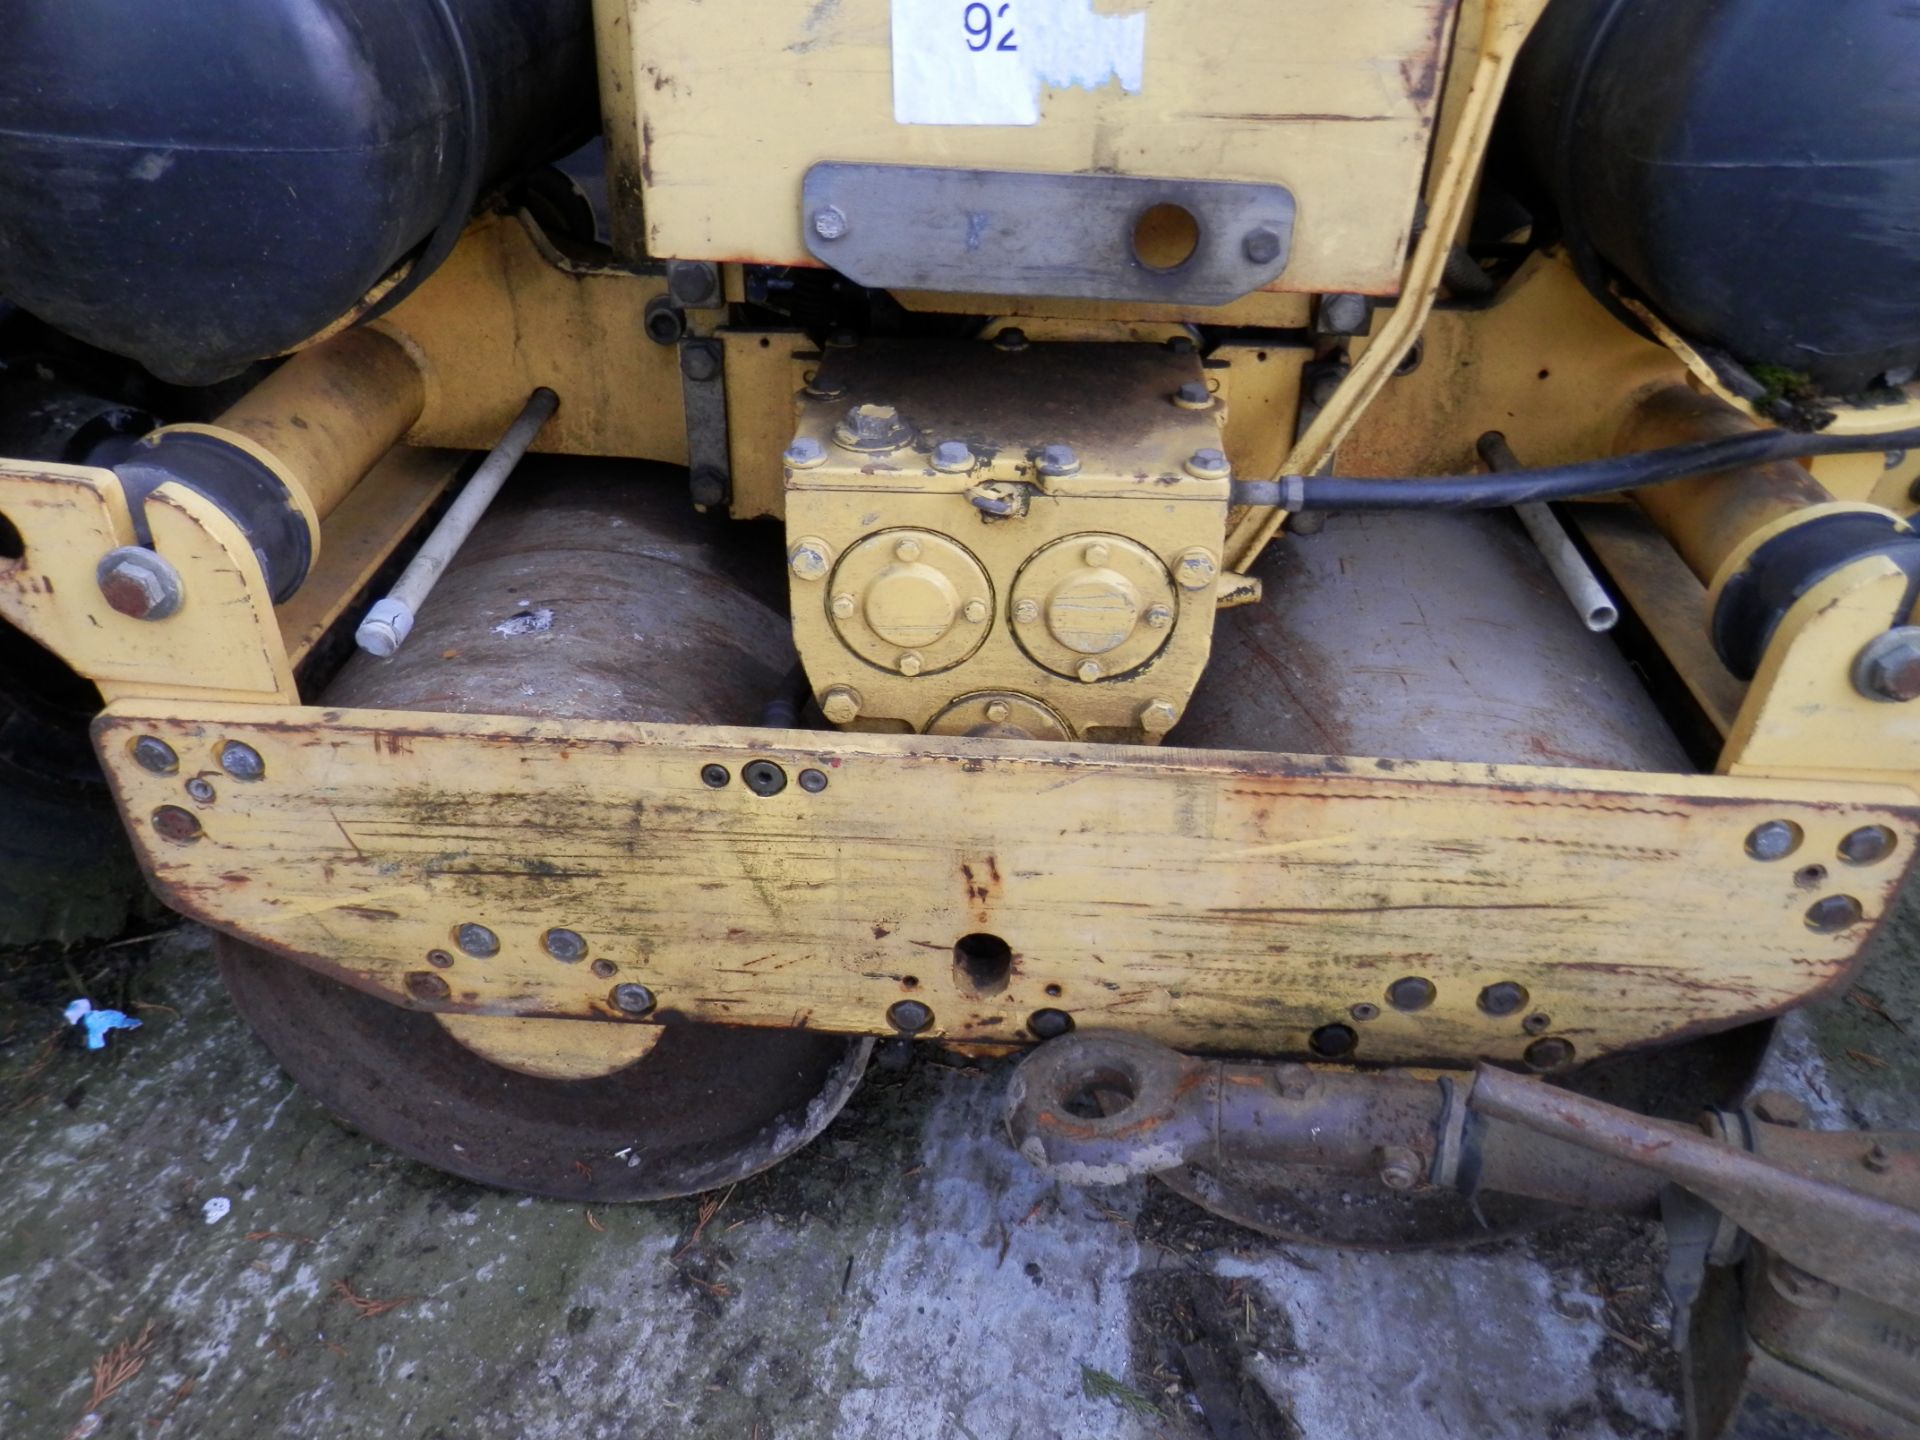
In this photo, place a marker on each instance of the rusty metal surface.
(588, 590)
(1423, 636)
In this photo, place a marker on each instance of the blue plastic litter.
(98, 1022)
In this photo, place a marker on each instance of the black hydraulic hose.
(1557, 482)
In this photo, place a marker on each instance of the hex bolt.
(201, 789)
(1026, 611)
(1194, 395)
(1058, 460)
(813, 781)
(632, 999)
(998, 711)
(804, 452)
(1832, 913)
(699, 360)
(425, 985)
(1158, 617)
(170, 822)
(1088, 671)
(1868, 845)
(1195, 569)
(1159, 716)
(693, 282)
(1877, 1159)
(152, 753)
(1011, 339)
(476, 940)
(843, 606)
(841, 704)
(975, 612)
(707, 486)
(824, 387)
(564, 944)
(829, 222)
(870, 427)
(910, 663)
(1400, 1167)
(1344, 314)
(241, 761)
(952, 457)
(439, 959)
(1096, 554)
(1773, 839)
(1261, 245)
(1777, 1107)
(810, 558)
(1552, 1053)
(1208, 463)
(714, 777)
(909, 1017)
(1888, 666)
(1503, 997)
(139, 584)
(1049, 1024)
(908, 549)
(763, 777)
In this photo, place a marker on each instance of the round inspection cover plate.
(910, 592)
(1094, 598)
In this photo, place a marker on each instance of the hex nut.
(1057, 461)
(1088, 671)
(952, 457)
(632, 999)
(841, 704)
(997, 711)
(153, 754)
(1208, 463)
(1159, 716)
(241, 761)
(1888, 666)
(1410, 993)
(870, 427)
(139, 584)
(699, 359)
(1773, 839)
(1344, 315)
(693, 282)
(1193, 395)
(910, 663)
(829, 222)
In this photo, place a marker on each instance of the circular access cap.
(911, 591)
(1088, 596)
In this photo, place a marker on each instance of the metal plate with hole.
(1100, 237)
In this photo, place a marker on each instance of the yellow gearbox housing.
(1005, 538)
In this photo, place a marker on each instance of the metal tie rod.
(390, 620)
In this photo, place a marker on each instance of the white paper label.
(984, 62)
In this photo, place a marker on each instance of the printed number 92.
(978, 20)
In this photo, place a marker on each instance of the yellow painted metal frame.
(1213, 900)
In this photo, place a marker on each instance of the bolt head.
(1196, 569)
(201, 789)
(1158, 617)
(1552, 1053)
(1049, 1024)
(1011, 338)
(477, 940)
(564, 944)
(699, 359)
(707, 486)
(910, 663)
(1400, 1167)
(813, 781)
(1096, 554)
(952, 457)
(841, 704)
(139, 584)
(1208, 464)
(1261, 245)
(1868, 845)
(871, 427)
(976, 612)
(171, 822)
(1026, 611)
(804, 453)
(1088, 671)
(1777, 1107)
(1888, 667)
(425, 985)
(809, 558)
(1158, 716)
(843, 606)
(1877, 1159)
(1058, 460)
(1773, 839)
(632, 999)
(241, 761)
(907, 550)
(909, 1017)
(1503, 997)
(998, 711)
(153, 754)
(1344, 314)
(1194, 395)
(829, 222)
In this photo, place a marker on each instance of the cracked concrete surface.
(908, 1275)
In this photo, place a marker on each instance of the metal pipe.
(390, 620)
(1590, 599)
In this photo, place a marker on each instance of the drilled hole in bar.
(982, 962)
(1165, 236)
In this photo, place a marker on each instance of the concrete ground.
(193, 1247)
